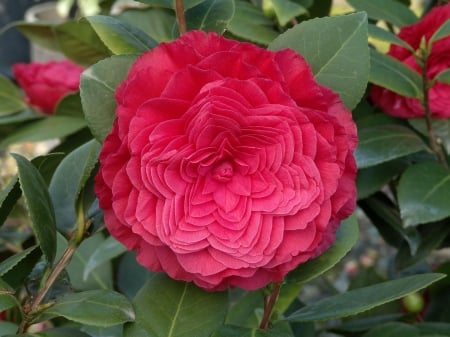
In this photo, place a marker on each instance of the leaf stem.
(269, 304)
(181, 19)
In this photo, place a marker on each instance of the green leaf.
(7, 299)
(443, 77)
(18, 117)
(441, 129)
(8, 328)
(287, 10)
(166, 308)
(127, 266)
(70, 106)
(80, 43)
(249, 23)
(39, 206)
(439, 328)
(388, 10)
(393, 329)
(97, 89)
(359, 300)
(247, 310)
(10, 97)
(41, 33)
(346, 237)
(12, 261)
(279, 329)
(17, 269)
(210, 15)
(171, 3)
(8, 198)
(64, 192)
(441, 33)
(101, 308)
(106, 251)
(380, 144)
(423, 193)
(391, 74)
(120, 37)
(329, 45)
(44, 129)
(381, 34)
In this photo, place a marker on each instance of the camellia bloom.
(227, 165)
(439, 60)
(45, 84)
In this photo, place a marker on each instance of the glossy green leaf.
(44, 129)
(10, 98)
(127, 266)
(362, 299)
(101, 308)
(40, 33)
(393, 329)
(391, 11)
(443, 77)
(120, 37)
(12, 261)
(346, 237)
(329, 45)
(441, 33)
(381, 34)
(64, 192)
(250, 24)
(210, 15)
(97, 89)
(106, 251)
(80, 42)
(380, 144)
(166, 308)
(287, 10)
(8, 198)
(158, 23)
(171, 3)
(424, 193)
(39, 206)
(391, 74)
(280, 329)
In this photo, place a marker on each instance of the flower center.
(223, 171)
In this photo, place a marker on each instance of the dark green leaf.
(246, 311)
(329, 46)
(44, 129)
(64, 192)
(391, 74)
(166, 308)
(443, 76)
(97, 88)
(80, 42)
(359, 300)
(39, 206)
(70, 106)
(171, 3)
(18, 117)
(346, 237)
(320, 8)
(380, 144)
(362, 325)
(250, 23)
(106, 251)
(94, 307)
(287, 10)
(381, 34)
(17, 269)
(439, 328)
(120, 37)
(280, 329)
(7, 299)
(441, 33)
(210, 15)
(393, 329)
(127, 266)
(40, 33)
(10, 97)
(388, 10)
(441, 130)
(424, 193)
(8, 198)
(9, 263)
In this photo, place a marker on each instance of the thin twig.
(181, 19)
(269, 304)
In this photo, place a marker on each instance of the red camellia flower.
(439, 60)
(45, 84)
(227, 165)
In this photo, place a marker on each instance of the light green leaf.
(250, 24)
(380, 144)
(424, 193)
(210, 15)
(441, 33)
(381, 34)
(120, 37)
(391, 74)
(45, 129)
(40, 33)
(388, 10)
(39, 206)
(362, 299)
(12, 261)
(106, 251)
(101, 308)
(166, 308)
(64, 192)
(10, 97)
(329, 45)
(346, 237)
(287, 10)
(97, 89)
